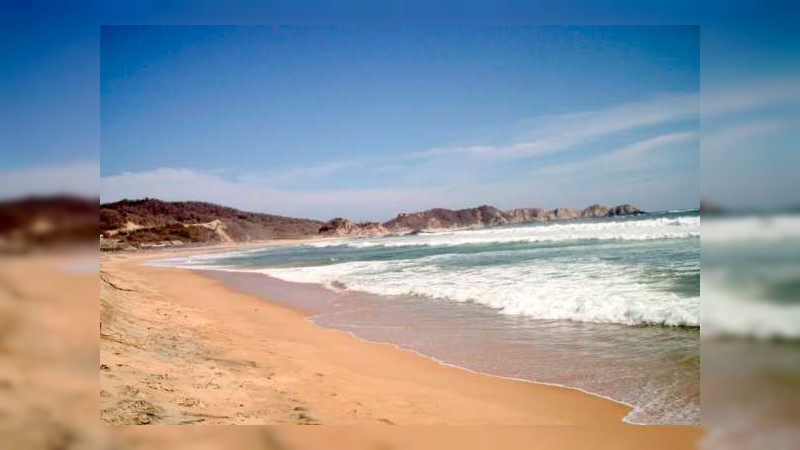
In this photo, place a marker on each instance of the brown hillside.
(149, 220)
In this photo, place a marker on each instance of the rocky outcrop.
(595, 211)
(487, 216)
(342, 227)
(447, 218)
(480, 217)
(624, 210)
(565, 213)
(525, 215)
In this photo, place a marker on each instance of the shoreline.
(330, 308)
(310, 317)
(547, 403)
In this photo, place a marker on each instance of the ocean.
(608, 306)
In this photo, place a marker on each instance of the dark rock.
(624, 210)
(342, 227)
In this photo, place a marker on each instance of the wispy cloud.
(628, 158)
(556, 133)
(544, 135)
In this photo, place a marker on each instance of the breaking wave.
(599, 293)
(627, 230)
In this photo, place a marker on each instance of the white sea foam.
(625, 230)
(591, 293)
(569, 285)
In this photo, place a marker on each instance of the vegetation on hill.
(171, 232)
(151, 220)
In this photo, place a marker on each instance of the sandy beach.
(166, 359)
(180, 348)
(177, 347)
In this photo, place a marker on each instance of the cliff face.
(487, 216)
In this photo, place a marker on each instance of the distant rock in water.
(624, 210)
(595, 211)
(440, 218)
(565, 213)
(340, 226)
(524, 215)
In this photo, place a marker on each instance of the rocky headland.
(479, 217)
(152, 223)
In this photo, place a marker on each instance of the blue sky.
(364, 122)
(400, 119)
(49, 109)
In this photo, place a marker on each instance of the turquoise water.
(609, 306)
(642, 270)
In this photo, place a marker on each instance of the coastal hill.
(130, 224)
(153, 223)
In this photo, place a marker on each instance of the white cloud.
(75, 179)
